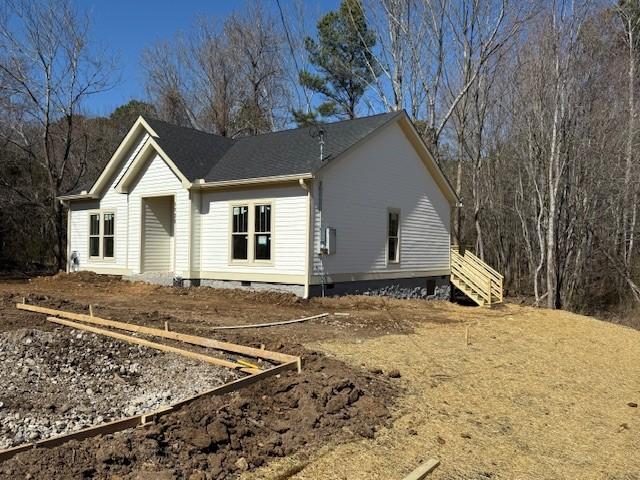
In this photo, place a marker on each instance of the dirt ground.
(533, 394)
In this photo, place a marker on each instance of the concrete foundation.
(256, 286)
(428, 288)
(167, 279)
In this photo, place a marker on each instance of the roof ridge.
(191, 129)
(322, 123)
(173, 125)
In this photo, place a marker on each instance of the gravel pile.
(65, 380)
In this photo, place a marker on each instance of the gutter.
(201, 183)
(80, 196)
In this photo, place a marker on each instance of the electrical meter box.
(328, 243)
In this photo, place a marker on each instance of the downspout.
(308, 250)
(126, 238)
(68, 205)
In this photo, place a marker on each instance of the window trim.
(396, 261)
(251, 233)
(270, 232)
(101, 213)
(247, 233)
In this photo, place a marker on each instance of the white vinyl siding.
(113, 202)
(383, 174)
(288, 235)
(196, 205)
(158, 234)
(156, 179)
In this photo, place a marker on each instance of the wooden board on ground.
(145, 418)
(423, 470)
(182, 337)
(157, 346)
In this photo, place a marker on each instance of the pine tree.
(343, 59)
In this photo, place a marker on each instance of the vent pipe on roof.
(318, 131)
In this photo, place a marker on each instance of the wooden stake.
(90, 310)
(166, 326)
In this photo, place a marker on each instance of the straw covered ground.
(535, 395)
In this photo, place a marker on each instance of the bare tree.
(228, 79)
(629, 13)
(47, 71)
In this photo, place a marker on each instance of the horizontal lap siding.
(196, 199)
(157, 179)
(288, 236)
(158, 220)
(112, 201)
(385, 172)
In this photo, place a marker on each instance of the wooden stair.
(475, 278)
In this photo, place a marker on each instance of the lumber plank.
(423, 470)
(172, 335)
(241, 382)
(135, 421)
(158, 346)
(102, 429)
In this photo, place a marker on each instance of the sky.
(125, 27)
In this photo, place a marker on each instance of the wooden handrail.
(481, 274)
(485, 281)
(484, 264)
(457, 268)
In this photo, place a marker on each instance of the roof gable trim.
(353, 146)
(135, 168)
(110, 169)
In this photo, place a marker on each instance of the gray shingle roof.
(194, 152)
(288, 152)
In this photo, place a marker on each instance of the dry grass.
(536, 395)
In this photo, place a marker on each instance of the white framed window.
(94, 235)
(108, 237)
(251, 239)
(240, 233)
(393, 235)
(102, 227)
(262, 235)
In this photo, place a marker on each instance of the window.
(262, 215)
(101, 235)
(393, 237)
(240, 234)
(107, 233)
(251, 232)
(94, 235)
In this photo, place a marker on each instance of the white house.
(373, 209)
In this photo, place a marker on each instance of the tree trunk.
(457, 227)
(60, 237)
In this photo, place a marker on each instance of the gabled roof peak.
(202, 155)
